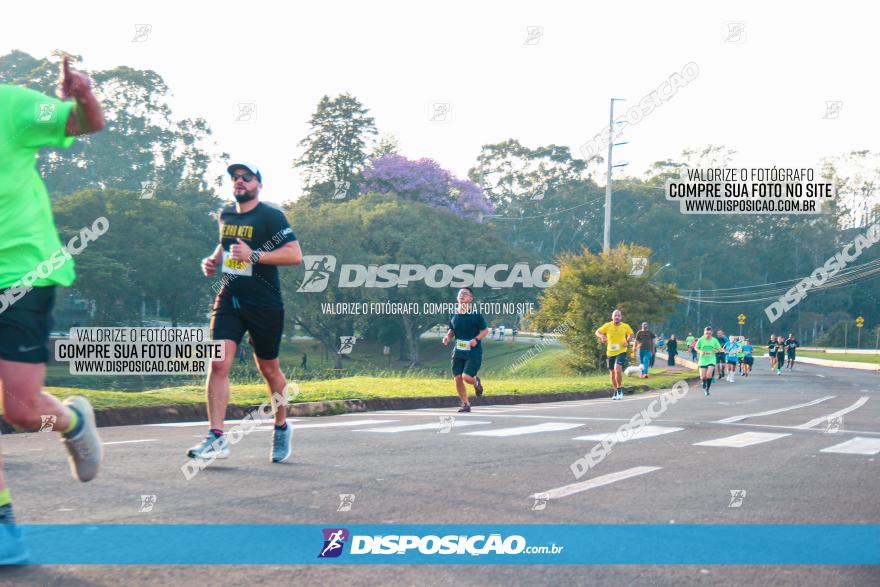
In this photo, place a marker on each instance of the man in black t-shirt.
(467, 327)
(255, 239)
(791, 345)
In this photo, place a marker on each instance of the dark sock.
(708, 384)
(282, 427)
(216, 432)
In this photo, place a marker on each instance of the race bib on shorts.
(462, 345)
(614, 347)
(235, 266)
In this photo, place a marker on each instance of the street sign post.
(859, 323)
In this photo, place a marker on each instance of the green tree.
(543, 198)
(386, 229)
(142, 141)
(151, 251)
(590, 288)
(340, 139)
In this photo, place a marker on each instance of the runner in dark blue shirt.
(467, 328)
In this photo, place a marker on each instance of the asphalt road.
(767, 438)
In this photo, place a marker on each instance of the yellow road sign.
(860, 322)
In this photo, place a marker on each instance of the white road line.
(428, 426)
(567, 490)
(848, 431)
(335, 424)
(820, 375)
(776, 411)
(856, 446)
(228, 423)
(533, 429)
(177, 424)
(130, 441)
(822, 419)
(645, 432)
(741, 440)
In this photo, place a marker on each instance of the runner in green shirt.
(707, 346)
(30, 121)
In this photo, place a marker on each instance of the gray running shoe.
(85, 448)
(212, 447)
(281, 444)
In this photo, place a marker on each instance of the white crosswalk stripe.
(644, 432)
(742, 440)
(532, 429)
(333, 424)
(567, 490)
(429, 426)
(204, 423)
(859, 445)
(776, 411)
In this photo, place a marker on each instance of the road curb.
(140, 415)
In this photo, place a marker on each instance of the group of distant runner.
(717, 355)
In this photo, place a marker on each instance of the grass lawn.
(364, 387)
(367, 375)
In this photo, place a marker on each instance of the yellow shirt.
(616, 334)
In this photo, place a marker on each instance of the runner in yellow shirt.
(616, 336)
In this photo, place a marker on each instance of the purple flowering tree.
(424, 181)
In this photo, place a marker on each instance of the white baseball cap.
(252, 168)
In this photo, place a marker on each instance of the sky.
(539, 72)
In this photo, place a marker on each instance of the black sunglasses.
(244, 176)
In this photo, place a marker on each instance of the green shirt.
(29, 121)
(711, 346)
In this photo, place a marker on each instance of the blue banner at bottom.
(453, 544)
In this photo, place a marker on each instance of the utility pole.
(700, 294)
(606, 240)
